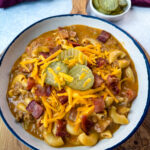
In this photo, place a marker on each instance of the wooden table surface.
(139, 141)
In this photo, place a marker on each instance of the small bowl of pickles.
(112, 10)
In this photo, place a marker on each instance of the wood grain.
(79, 7)
(8, 141)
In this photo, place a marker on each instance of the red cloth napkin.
(144, 3)
(7, 3)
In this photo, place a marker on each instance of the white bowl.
(17, 47)
(110, 17)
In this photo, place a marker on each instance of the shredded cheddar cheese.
(82, 76)
(55, 77)
(87, 82)
(66, 77)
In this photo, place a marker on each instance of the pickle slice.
(83, 77)
(72, 53)
(104, 11)
(119, 10)
(123, 3)
(57, 67)
(109, 5)
(96, 3)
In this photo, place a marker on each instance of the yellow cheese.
(35, 71)
(66, 76)
(51, 57)
(55, 77)
(81, 61)
(58, 68)
(28, 61)
(82, 76)
(87, 82)
(109, 92)
(43, 76)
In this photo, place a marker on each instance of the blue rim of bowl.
(133, 40)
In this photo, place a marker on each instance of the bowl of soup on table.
(75, 85)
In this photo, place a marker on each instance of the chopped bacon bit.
(130, 95)
(45, 54)
(73, 114)
(99, 105)
(43, 91)
(89, 65)
(112, 83)
(101, 62)
(74, 44)
(54, 49)
(61, 128)
(63, 33)
(35, 109)
(30, 83)
(48, 90)
(40, 91)
(62, 99)
(97, 81)
(104, 36)
(86, 124)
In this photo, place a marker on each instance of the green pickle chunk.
(109, 5)
(104, 11)
(72, 53)
(57, 67)
(96, 3)
(83, 77)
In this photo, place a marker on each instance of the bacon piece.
(74, 44)
(86, 124)
(101, 62)
(40, 91)
(43, 91)
(45, 54)
(130, 95)
(97, 81)
(54, 49)
(35, 109)
(99, 105)
(30, 83)
(90, 65)
(61, 128)
(63, 33)
(104, 36)
(72, 34)
(47, 90)
(62, 99)
(112, 83)
(73, 114)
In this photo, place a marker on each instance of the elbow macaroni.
(117, 118)
(114, 55)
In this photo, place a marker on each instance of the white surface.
(14, 19)
(17, 49)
